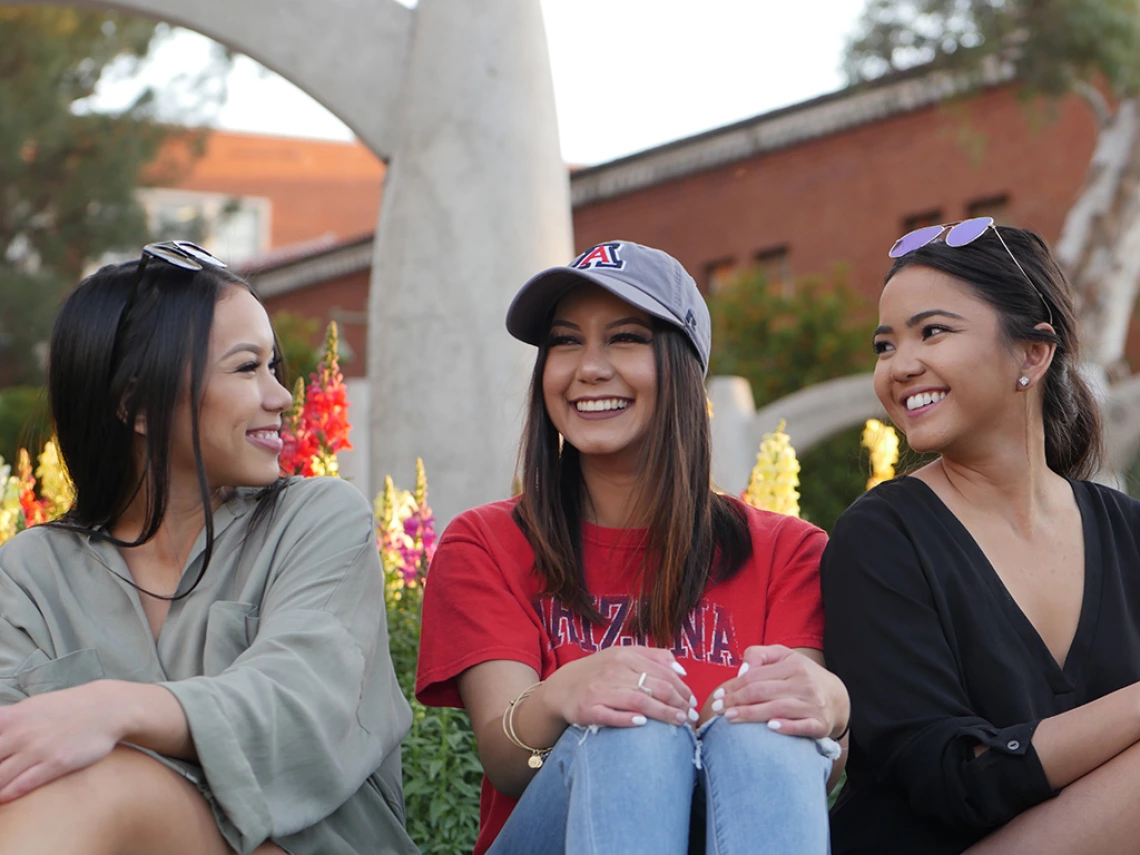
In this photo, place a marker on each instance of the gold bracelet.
(537, 755)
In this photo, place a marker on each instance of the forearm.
(1072, 744)
(150, 717)
(504, 763)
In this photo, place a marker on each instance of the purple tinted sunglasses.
(961, 234)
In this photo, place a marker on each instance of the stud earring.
(1023, 382)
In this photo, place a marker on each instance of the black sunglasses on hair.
(180, 253)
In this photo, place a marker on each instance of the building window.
(994, 206)
(932, 217)
(234, 228)
(719, 274)
(772, 265)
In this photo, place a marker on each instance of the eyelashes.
(617, 338)
(272, 365)
(928, 331)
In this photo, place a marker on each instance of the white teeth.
(263, 434)
(601, 406)
(923, 399)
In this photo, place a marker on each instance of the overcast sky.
(684, 66)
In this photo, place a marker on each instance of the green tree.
(783, 341)
(1053, 46)
(68, 173)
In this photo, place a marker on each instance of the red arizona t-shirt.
(481, 603)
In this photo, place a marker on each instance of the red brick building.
(826, 183)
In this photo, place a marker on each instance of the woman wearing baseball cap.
(639, 654)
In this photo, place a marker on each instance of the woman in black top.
(984, 612)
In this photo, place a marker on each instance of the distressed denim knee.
(764, 785)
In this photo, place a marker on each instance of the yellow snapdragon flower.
(776, 475)
(9, 502)
(56, 488)
(883, 444)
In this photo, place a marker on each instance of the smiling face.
(239, 419)
(944, 372)
(599, 382)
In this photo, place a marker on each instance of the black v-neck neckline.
(1062, 679)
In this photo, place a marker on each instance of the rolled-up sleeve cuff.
(1008, 779)
(236, 797)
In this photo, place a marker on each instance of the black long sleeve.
(938, 658)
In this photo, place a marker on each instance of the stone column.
(476, 200)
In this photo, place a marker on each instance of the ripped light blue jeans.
(625, 791)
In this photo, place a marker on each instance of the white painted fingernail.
(719, 693)
(731, 714)
(692, 700)
(639, 720)
(681, 718)
(676, 666)
(718, 705)
(774, 725)
(743, 670)
(694, 715)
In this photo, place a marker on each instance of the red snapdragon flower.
(317, 426)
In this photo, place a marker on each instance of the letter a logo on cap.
(603, 255)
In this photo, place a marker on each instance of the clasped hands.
(785, 688)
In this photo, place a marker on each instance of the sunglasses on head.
(180, 253)
(959, 235)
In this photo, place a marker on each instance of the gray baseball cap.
(648, 278)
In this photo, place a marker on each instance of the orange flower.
(34, 511)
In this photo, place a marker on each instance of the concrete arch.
(811, 415)
(459, 97)
(350, 55)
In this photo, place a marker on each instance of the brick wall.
(836, 201)
(843, 199)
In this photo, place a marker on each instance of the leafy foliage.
(298, 337)
(68, 174)
(781, 342)
(834, 475)
(23, 419)
(442, 772)
(1053, 45)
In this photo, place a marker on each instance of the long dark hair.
(1074, 444)
(121, 348)
(695, 535)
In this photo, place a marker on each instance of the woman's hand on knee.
(621, 687)
(51, 735)
(788, 689)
